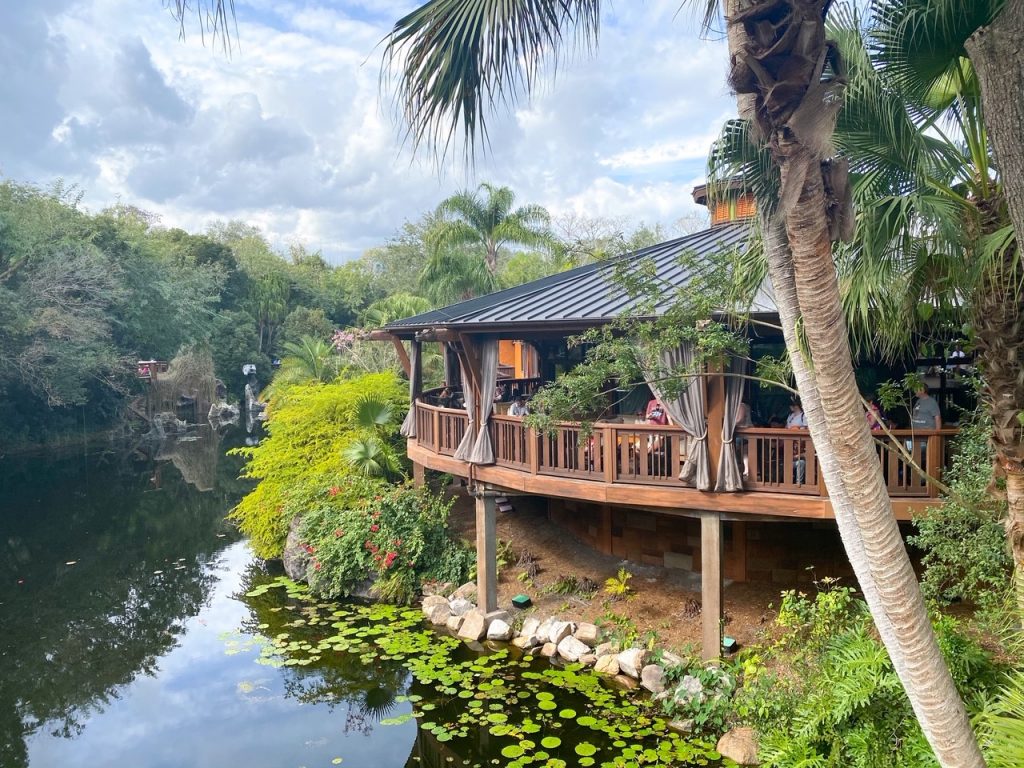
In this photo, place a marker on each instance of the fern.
(1000, 725)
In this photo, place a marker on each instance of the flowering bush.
(397, 538)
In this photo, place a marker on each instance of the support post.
(486, 553)
(715, 399)
(419, 475)
(711, 585)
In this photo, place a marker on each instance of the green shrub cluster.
(397, 538)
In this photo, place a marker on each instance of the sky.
(293, 133)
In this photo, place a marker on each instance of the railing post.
(531, 450)
(437, 431)
(608, 453)
(933, 464)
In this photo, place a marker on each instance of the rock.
(683, 727)
(475, 647)
(607, 648)
(474, 625)
(439, 614)
(499, 630)
(437, 588)
(430, 601)
(690, 690)
(560, 630)
(607, 665)
(530, 627)
(460, 607)
(544, 630)
(454, 623)
(625, 681)
(739, 745)
(632, 660)
(587, 633)
(588, 659)
(669, 660)
(549, 650)
(526, 643)
(466, 592)
(498, 615)
(295, 556)
(652, 677)
(571, 649)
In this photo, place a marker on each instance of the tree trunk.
(492, 257)
(926, 677)
(997, 53)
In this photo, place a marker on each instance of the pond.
(139, 630)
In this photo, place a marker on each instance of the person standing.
(797, 420)
(926, 414)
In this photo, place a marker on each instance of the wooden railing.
(510, 390)
(777, 460)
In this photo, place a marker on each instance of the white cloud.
(290, 133)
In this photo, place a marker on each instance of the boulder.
(544, 630)
(571, 649)
(549, 650)
(632, 661)
(526, 643)
(607, 665)
(689, 691)
(460, 606)
(669, 660)
(739, 745)
(588, 659)
(295, 556)
(625, 681)
(454, 623)
(587, 633)
(439, 614)
(530, 627)
(499, 630)
(560, 630)
(607, 648)
(683, 727)
(437, 588)
(474, 625)
(498, 615)
(652, 677)
(466, 592)
(430, 601)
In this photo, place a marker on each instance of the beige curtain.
(688, 411)
(469, 398)
(415, 388)
(730, 475)
(483, 448)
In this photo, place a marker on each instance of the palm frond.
(457, 60)
(373, 411)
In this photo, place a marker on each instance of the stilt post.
(711, 585)
(486, 551)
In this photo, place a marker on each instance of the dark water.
(127, 638)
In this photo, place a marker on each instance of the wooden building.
(619, 488)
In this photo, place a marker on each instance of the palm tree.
(459, 57)
(393, 307)
(454, 274)
(488, 220)
(307, 361)
(371, 454)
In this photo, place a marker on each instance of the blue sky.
(291, 133)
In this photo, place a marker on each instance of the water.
(128, 639)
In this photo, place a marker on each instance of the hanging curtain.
(483, 448)
(415, 388)
(469, 400)
(730, 476)
(688, 411)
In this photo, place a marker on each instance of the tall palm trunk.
(492, 257)
(851, 469)
(997, 53)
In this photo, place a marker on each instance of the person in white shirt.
(797, 420)
(519, 407)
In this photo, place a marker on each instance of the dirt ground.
(661, 597)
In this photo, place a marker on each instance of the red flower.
(398, 542)
(374, 528)
(316, 566)
(335, 490)
(310, 549)
(338, 533)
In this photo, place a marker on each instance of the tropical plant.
(372, 454)
(459, 57)
(617, 587)
(393, 307)
(454, 274)
(1001, 724)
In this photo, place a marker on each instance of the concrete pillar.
(486, 554)
(419, 475)
(711, 585)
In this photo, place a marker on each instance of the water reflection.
(105, 557)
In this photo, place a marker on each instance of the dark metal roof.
(587, 295)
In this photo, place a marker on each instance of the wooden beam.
(711, 586)
(486, 553)
(715, 383)
(403, 356)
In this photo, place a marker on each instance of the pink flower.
(334, 491)
(374, 528)
(316, 566)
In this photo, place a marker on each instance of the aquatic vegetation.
(496, 706)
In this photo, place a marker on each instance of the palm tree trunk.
(492, 257)
(997, 53)
(925, 677)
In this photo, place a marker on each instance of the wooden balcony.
(638, 465)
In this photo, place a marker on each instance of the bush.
(309, 428)
(398, 537)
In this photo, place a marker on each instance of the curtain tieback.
(727, 442)
(699, 438)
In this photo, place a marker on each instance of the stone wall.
(778, 552)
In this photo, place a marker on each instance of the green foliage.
(964, 542)
(397, 537)
(306, 321)
(617, 587)
(572, 585)
(309, 428)
(709, 707)
(1000, 724)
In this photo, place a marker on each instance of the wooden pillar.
(711, 585)
(419, 475)
(715, 400)
(486, 553)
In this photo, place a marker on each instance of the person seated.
(797, 420)
(519, 407)
(444, 398)
(656, 413)
(874, 416)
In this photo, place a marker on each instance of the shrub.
(310, 427)
(398, 537)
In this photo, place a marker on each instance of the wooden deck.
(638, 465)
